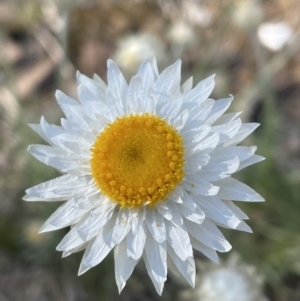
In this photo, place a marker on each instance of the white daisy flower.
(182, 34)
(147, 172)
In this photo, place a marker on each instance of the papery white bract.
(147, 171)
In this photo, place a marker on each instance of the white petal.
(195, 134)
(74, 250)
(202, 91)
(66, 100)
(83, 268)
(38, 129)
(158, 285)
(253, 160)
(92, 106)
(59, 137)
(100, 82)
(51, 131)
(187, 85)
(135, 96)
(216, 210)
(156, 225)
(154, 66)
(58, 189)
(208, 234)
(172, 267)
(51, 151)
(214, 171)
(188, 201)
(65, 215)
(102, 245)
(245, 130)
(86, 95)
(124, 265)
(208, 252)
(176, 216)
(209, 143)
(72, 109)
(186, 267)
(164, 210)
(218, 109)
(177, 77)
(232, 189)
(179, 239)
(244, 227)
(72, 128)
(138, 221)
(200, 112)
(156, 255)
(179, 122)
(150, 103)
(196, 216)
(227, 118)
(228, 130)
(194, 160)
(147, 74)
(176, 195)
(226, 167)
(53, 156)
(170, 109)
(122, 226)
(221, 154)
(236, 210)
(96, 88)
(72, 240)
(114, 110)
(76, 144)
(168, 81)
(136, 243)
(197, 186)
(116, 83)
(97, 218)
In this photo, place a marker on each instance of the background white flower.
(181, 33)
(242, 279)
(133, 49)
(233, 280)
(196, 13)
(147, 172)
(274, 36)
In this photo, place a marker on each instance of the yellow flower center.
(138, 159)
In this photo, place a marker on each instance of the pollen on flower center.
(138, 159)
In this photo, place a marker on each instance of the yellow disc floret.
(138, 159)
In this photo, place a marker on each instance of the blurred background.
(253, 47)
